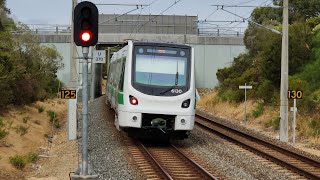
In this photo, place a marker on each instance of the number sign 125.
(68, 94)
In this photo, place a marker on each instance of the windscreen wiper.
(175, 83)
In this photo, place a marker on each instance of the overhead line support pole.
(284, 74)
(72, 103)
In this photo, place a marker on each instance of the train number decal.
(68, 94)
(176, 91)
(295, 94)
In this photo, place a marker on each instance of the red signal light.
(86, 36)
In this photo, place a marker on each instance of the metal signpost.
(294, 94)
(294, 110)
(245, 87)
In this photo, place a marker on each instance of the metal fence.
(147, 24)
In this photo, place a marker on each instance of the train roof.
(152, 43)
(156, 43)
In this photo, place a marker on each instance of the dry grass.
(264, 119)
(26, 127)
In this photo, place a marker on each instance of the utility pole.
(72, 103)
(284, 74)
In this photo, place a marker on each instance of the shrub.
(258, 110)
(22, 130)
(18, 161)
(231, 95)
(57, 124)
(25, 119)
(32, 157)
(3, 132)
(40, 109)
(46, 135)
(53, 119)
(265, 91)
(275, 123)
(314, 126)
(53, 116)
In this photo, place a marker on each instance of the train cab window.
(156, 69)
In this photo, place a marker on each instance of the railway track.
(297, 163)
(166, 162)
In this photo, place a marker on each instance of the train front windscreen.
(161, 71)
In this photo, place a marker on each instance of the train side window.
(122, 73)
(111, 73)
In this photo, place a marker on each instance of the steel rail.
(194, 165)
(254, 144)
(156, 162)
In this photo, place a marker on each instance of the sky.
(58, 12)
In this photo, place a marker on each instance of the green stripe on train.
(120, 97)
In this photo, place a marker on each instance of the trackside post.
(245, 87)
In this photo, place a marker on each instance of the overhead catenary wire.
(246, 2)
(175, 2)
(137, 7)
(247, 19)
(121, 4)
(211, 14)
(204, 23)
(239, 6)
(136, 25)
(241, 20)
(119, 15)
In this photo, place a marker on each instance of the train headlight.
(183, 121)
(133, 100)
(186, 103)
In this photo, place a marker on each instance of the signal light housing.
(85, 24)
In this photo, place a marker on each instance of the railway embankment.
(261, 121)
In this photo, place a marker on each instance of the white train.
(151, 87)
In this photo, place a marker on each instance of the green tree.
(27, 69)
(261, 65)
(301, 9)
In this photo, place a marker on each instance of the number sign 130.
(295, 94)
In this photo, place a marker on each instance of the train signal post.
(85, 31)
(245, 87)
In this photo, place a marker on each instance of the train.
(151, 88)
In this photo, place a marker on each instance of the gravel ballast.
(107, 152)
(223, 157)
(111, 159)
